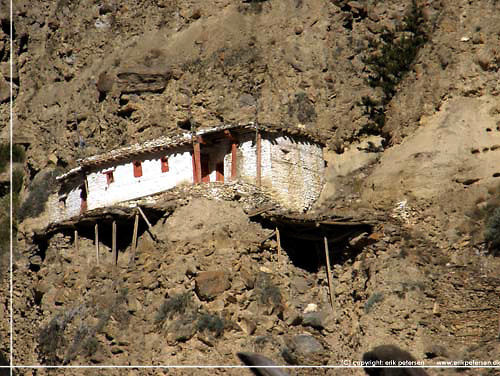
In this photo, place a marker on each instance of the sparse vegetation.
(177, 304)
(269, 292)
(51, 338)
(372, 300)
(18, 155)
(390, 58)
(492, 232)
(212, 323)
(187, 318)
(39, 191)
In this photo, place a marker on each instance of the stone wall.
(297, 171)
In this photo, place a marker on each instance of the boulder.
(209, 285)
(304, 349)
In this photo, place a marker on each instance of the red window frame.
(164, 164)
(109, 177)
(137, 169)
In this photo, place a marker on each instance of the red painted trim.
(137, 169)
(197, 162)
(194, 168)
(164, 164)
(259, 160)
(234, 159)
(109, 177)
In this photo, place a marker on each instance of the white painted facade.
(126, 186)
(292, 172)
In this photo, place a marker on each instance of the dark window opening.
(219, 172)
(137, 169)
(83, 198)
(109, 177)
(164, 164)
(205, 171)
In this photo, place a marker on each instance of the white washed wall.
(297, 171)
(66, 203)
(73, 202)
(292, 171)
(126, 186)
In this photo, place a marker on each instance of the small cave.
(304, 241)
(85, 228)
(186, 125)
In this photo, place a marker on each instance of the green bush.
(390, 59)
(492, 232)
(90, 346)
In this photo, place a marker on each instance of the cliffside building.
(288, 165)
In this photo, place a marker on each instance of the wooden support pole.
(76, 241)
(279, 243)
(498, 336)
(259, 159)
(197, 161)
(150, 227)
(97, 242)
(113, 244)
(134, 239)
(144, 217)
(329, 272)
(234, 161)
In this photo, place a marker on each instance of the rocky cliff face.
(90, 76)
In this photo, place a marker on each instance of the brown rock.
(248, 326)
(211, 284)
(4, 91)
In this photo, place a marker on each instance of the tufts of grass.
(269, 293)
(372, 300)
(176, 305)
(212, 323)
(18, 155)
(492, 232)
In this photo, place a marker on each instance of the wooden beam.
(134, 240)
(498, 336)
(150, 227)
(201, 140)
(76, 241)
(329, 272)
(96, 228)
(279, 243)
(113, 244)
(197, 162)
(229, 135)
(234, 161)
(259, 159)
(144, 217)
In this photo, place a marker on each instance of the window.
(164, 164)
(137, 169)
(109, 177)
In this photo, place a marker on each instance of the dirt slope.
(90, 76)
